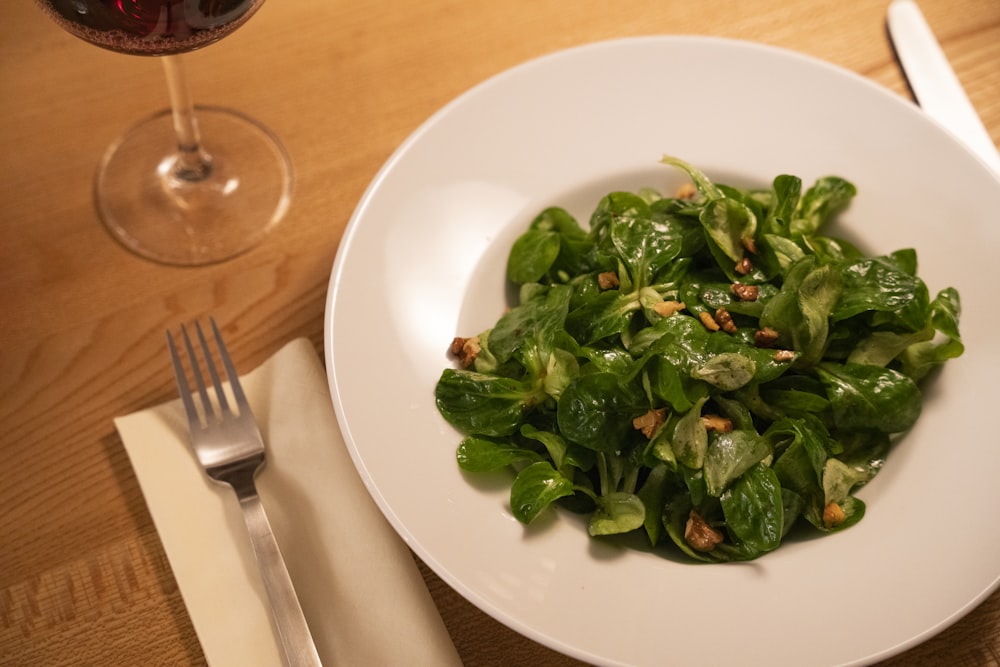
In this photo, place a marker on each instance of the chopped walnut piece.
(686, 191)
(725, 320)
(668, 308)
(750, 244)
(466, 349)
(783, 355)
(745, 292)
(608, 280)
(650, 422)
(765, 337)
(709, 321)
(744, 266)
(833, 515)
(717, 423)
(699, 535)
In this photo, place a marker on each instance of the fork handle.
(293, 632)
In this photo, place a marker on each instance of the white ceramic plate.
(423, 260)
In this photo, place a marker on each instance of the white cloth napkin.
(362, 593)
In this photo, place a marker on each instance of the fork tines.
(208, 412)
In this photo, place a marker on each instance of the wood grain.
(83, 577)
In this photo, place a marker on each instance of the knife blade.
(933, 81)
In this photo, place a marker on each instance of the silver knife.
(933, 81)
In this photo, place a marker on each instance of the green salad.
(706, 368)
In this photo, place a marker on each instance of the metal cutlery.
(933, 81)
(229, 447)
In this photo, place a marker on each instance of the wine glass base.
(178, 218)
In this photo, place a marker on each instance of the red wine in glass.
(162, 191)
(150, 27)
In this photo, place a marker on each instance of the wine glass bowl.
(150, 28)
(161, 190)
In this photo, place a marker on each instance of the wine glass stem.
(191, 163)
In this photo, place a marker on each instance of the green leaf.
(800, 312)
(921, 357)
(607, 314)
(660, 448)
(596, 411)
(708, 189)
(839, 479)
(816, 297)
(560, 452)
(881, 347)
(830, 250)
(476, 454)
(535, 488)
(559, 372)
(667, 384)
(753, 509)
(765, 367)
(549, 263)
(805, 444)
(616, 513)
(787, 191)
(794, 402)
(793, 505)
(644, 245)
(729, 455)
(532, 256)
(653, 495)
(945, 311)
(826, 198)
(690, 439)
(726, 371)
(558, 220)
(477, 403)
(528, 331)
(870, 398)
(881, 285)
(728, 222)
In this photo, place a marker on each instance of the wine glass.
(160, 190)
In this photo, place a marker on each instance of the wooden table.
(83, 576)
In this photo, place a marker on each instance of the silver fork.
(230, 449)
